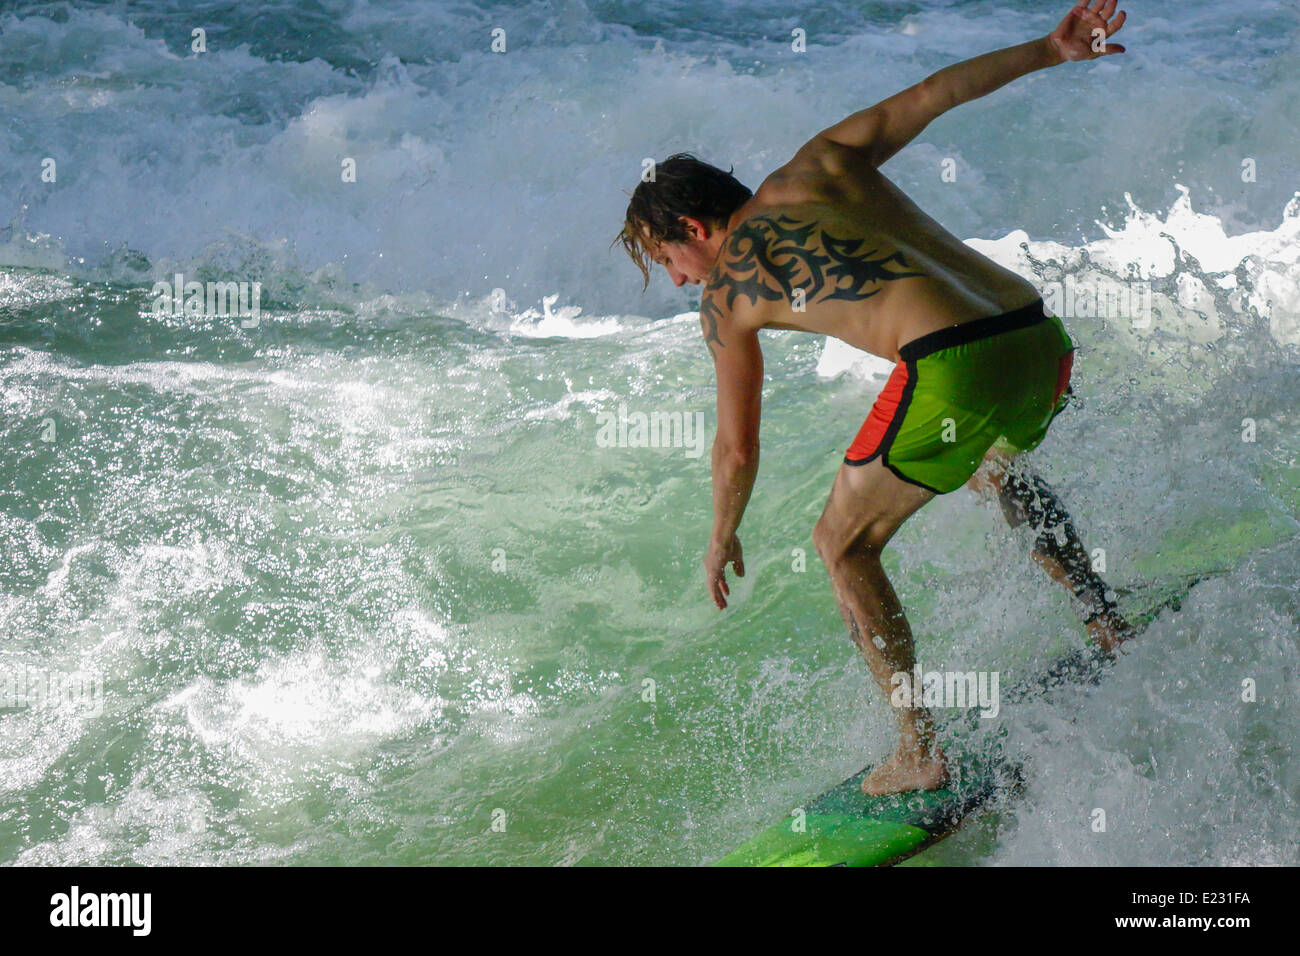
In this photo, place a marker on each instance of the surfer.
(829, 245)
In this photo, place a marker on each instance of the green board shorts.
(957, 392)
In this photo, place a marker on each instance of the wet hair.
(683, 186)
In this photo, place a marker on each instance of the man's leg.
(1057, 548)
(867, 505)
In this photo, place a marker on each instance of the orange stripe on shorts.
(882, 413)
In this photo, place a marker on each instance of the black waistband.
(973, 331)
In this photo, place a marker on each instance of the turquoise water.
(361, 584)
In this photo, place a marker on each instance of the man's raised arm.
(882, 130)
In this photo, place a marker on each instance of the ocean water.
(360, 583)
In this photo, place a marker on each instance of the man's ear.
(696, 228)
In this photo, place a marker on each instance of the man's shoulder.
(822, 171)
(734, 294)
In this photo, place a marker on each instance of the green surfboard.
(844, 827)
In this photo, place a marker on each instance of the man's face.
(692, 260)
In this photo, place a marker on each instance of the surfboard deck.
(845, 827)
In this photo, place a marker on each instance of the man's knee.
(835, 544)
(1020, 493)
(992, 472)
(825, 540)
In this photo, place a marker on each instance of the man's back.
(829, 245)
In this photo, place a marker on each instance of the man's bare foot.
(910, 771)
(1110, 631)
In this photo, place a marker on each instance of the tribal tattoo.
(771, 257)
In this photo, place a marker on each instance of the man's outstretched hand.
(1074, 39)
(715, 562)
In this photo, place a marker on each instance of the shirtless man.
(829, 245)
